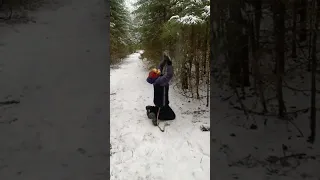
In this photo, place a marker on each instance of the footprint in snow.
(149, 137)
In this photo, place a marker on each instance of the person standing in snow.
(161, 92)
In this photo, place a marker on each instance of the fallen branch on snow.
(204, 128)
(9, 102)
(10, 121)
(275, 159)
(274, 114)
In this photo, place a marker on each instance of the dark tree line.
(265, 46)
(16, 10)
(180, 27)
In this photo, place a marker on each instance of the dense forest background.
(16, 11)
(122, 31)
(266, 53)
(180, 27)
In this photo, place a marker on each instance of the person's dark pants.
(160, 95)
(161, 99)
(166, 113)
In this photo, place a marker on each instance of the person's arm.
(165, 60)
(166, 77)
(150, 80)
(162, 64)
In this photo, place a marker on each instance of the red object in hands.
(154, 73)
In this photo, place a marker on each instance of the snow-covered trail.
(57, 67)
(139, 149)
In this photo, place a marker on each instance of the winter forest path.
(139, 149)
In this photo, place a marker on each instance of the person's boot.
(148, 108)
(153, 117)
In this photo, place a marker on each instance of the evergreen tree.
(182, 27)
(119, 30)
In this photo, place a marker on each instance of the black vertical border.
(108, 84)
(211, 84)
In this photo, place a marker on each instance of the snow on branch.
(190, 19)
(112, 25)
(196, 12)
(206, 12)
(187, 19)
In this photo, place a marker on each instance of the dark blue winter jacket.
(161, 84)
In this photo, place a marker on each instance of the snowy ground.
(242, 153)
(57, 68)
(139, 149)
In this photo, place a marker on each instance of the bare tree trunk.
(303, 20)
(197, 66)
(279, 12)
(258, 15)
(215, 18)
(244, 51)
(294, 30)
(310, 43)
(245, 61)
(253, 44)
(191, 59)
(310, 50)
(258, 85)
(204, 63)
(184, 68)
(208, 72)
(198, 58)
(236, 45)
(183, 76)
(313, 76)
